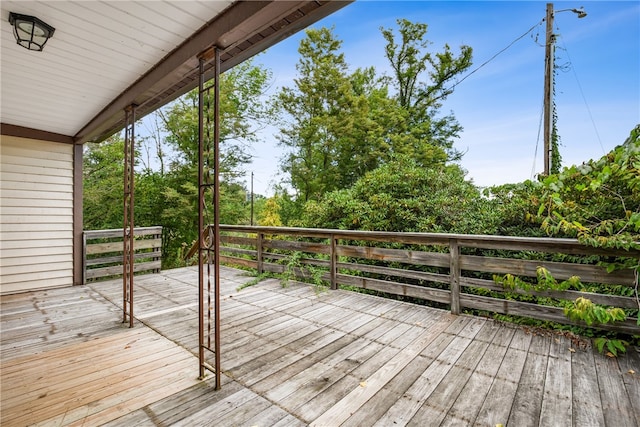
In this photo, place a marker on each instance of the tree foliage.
(340, 125)
(423, 80)
(242, 113)
(168, 195)
(319, 109)
(103, 184)
(599, 201)
(403, 196)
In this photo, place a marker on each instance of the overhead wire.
(584, 99)
(495, 56)
(535, 152)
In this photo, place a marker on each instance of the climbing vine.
(580, 310)
(296, 268)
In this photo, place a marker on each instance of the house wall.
(37, 213)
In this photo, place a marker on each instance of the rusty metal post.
(128, 222)
(216, 214)
(201, 208)
(209, 231)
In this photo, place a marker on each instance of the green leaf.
(620, 345)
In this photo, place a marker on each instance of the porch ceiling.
(106, 55)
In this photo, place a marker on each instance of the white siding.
(36, 214)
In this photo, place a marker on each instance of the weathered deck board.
(631, 377)
(50, 319)
(293, 356)
(529, 395)
(617, 408)
(411, 400)
(468, 403)
(351, 403)
(556, 403)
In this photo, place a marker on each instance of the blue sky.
(500, 105)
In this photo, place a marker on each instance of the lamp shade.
(29, 31)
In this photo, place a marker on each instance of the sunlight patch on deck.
(96, 381)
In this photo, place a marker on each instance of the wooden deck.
(293, 357)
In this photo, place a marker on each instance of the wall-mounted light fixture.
(29, 31)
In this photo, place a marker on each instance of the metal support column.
(208, 218)
(128, 223)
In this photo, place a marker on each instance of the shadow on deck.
(292, 357)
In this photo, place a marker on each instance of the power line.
(584, 99)
(496, 55)
(535, 152)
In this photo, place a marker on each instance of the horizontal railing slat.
(117, 269)
(433, 259)
(118, 259)
(610, 300)
(395, 288)
(537, 311)
(104, 248)
(560, 271)
(118, 233)
(396, 272)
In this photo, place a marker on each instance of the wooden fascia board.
(31, 133)
(300, 24)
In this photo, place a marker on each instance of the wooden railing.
(451, 269)
(102, 252)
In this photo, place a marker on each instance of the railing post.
(259, 238)
(334, 262)
(158, 236)
(84, 258)
(454, 275)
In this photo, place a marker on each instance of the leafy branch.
(580, 310)
(545, 282)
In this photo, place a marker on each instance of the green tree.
(515, 205)
(321, 111)
(103, 182)
(340, 125)
(269, 214)
(168, 196)
(243, 112)
(423, 80)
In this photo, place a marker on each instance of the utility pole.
(549, 57)
(548, 89)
